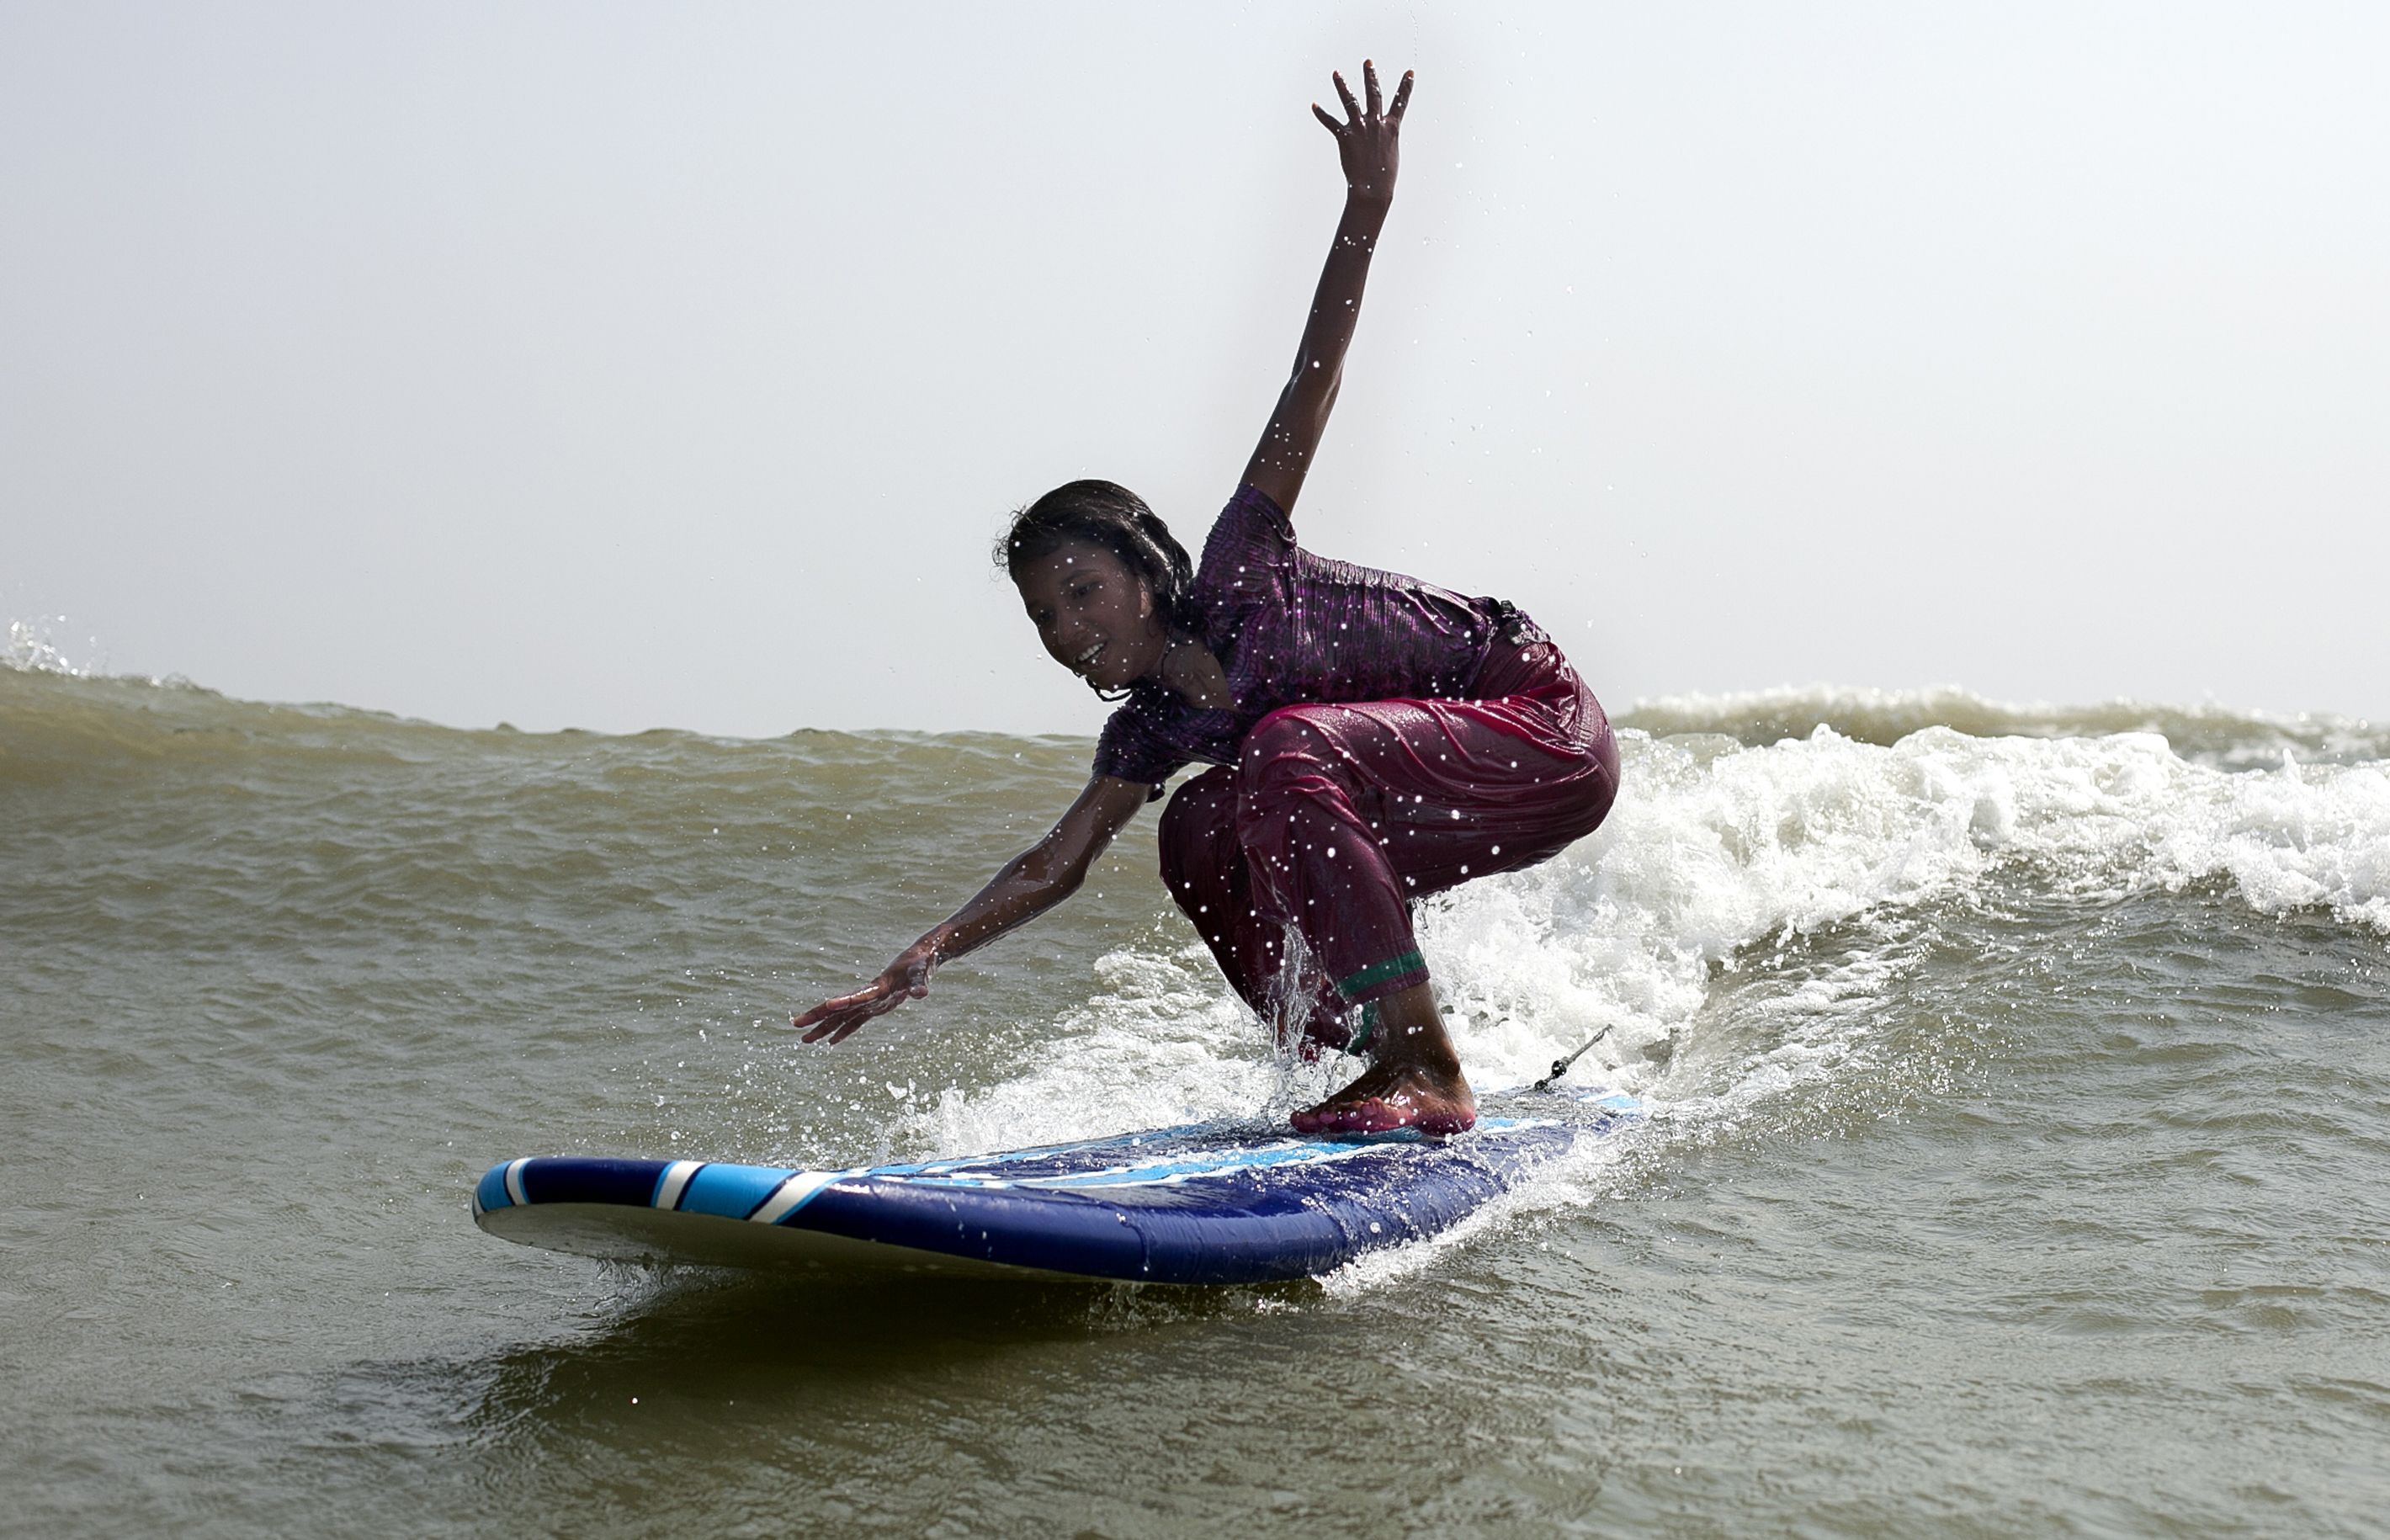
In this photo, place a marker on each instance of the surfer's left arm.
(1366, 144)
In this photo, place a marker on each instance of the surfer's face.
(1094, 613)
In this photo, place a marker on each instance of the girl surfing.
(1373, 739)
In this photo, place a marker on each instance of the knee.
(1285, 749)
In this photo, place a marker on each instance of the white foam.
(30, 648)
(1714, 850)
(1163, 1042)
(1591, 1168)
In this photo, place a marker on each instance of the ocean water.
(2020, 1084)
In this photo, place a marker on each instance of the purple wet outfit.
(1390, 738)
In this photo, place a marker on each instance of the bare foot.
(1395, 1094)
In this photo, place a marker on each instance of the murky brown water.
(2021, 1106)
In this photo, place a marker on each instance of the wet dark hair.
(1109, 515)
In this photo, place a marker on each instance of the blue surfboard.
(1208, 1203)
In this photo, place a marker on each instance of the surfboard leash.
(1561, 1066)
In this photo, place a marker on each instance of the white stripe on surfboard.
(514, 1180)
(792, 1194)
(675, 1183)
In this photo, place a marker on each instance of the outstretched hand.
(1366, 139)
(906, 979)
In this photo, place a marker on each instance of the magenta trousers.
(1336, 817)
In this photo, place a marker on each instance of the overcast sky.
(620, 365)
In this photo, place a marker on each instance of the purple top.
(1288, 628)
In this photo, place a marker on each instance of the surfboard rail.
(1202, 1204)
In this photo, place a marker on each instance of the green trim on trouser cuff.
(1379, 972)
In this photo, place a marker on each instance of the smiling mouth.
(1086, 659)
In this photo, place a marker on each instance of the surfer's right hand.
(906, 979)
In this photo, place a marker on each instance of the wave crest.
(31, 648)
(2205, 733)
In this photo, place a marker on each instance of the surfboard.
(1206, 1203)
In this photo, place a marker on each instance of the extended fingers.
(1326, 117)
(1352, 107)
(835, 1019)
(826, 1016)
(835, 1028)
(835, 1006)
(1373, 109)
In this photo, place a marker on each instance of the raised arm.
(1029, 884)
(1365, 142)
